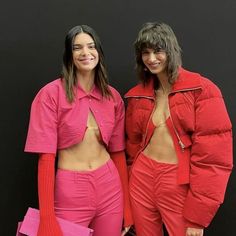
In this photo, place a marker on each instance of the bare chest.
(161, 111)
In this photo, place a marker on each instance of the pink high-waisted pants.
(156, 198)
(91, 198)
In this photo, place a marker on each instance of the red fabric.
(46, 175)
(155, 202)
(189, 224)
(204, 137)
(120, 163)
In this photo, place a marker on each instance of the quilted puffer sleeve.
(211, 156)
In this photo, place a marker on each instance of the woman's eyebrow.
(78, 44)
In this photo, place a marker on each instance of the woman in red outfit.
(80, 118)
(179, 140)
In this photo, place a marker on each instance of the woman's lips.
(154, 65)
(86, 60)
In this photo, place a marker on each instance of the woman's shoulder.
(114, 92)
(52, 87)
(209, 88)
(134, 90)
(51, 90)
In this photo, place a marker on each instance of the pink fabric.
(91, 198)
(18, 229)
(57, 124)
(31, 222)
(156, 198)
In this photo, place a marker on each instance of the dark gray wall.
(31, 45)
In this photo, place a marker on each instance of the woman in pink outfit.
(80, 118)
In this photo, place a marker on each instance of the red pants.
(156, 198)
(91, 198)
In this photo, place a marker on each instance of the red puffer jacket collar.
(186, 81)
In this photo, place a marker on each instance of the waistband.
(142, 155)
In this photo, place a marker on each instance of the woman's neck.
(164, 84)
(86, 80)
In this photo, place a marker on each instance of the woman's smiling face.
(154, 60)
(85, 54)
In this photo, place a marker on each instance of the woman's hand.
(125, 231)
(194, 232)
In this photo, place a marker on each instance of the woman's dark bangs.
(151, 40)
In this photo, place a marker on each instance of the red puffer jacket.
(202, 135)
